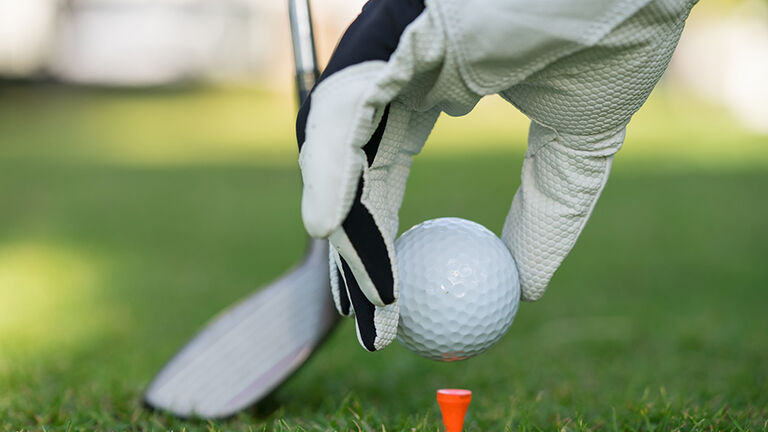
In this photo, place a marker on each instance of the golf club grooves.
(277, 343)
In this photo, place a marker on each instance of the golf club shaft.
(304, 54)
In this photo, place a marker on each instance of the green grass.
(129, 218)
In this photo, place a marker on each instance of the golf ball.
(459, 289)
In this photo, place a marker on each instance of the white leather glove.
(579, 70)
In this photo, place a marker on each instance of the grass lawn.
(129, 218)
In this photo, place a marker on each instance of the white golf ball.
(459, 289)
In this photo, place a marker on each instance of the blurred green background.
(128, 217)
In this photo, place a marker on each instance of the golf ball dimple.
(459, 289)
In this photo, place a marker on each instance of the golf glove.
(578, 69)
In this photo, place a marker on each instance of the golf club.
(252, 347)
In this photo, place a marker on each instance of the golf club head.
(250, 348)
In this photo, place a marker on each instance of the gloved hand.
(578, 70)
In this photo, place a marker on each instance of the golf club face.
(251, 348)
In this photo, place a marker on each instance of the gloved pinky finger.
(376, 326)
(338, 288)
